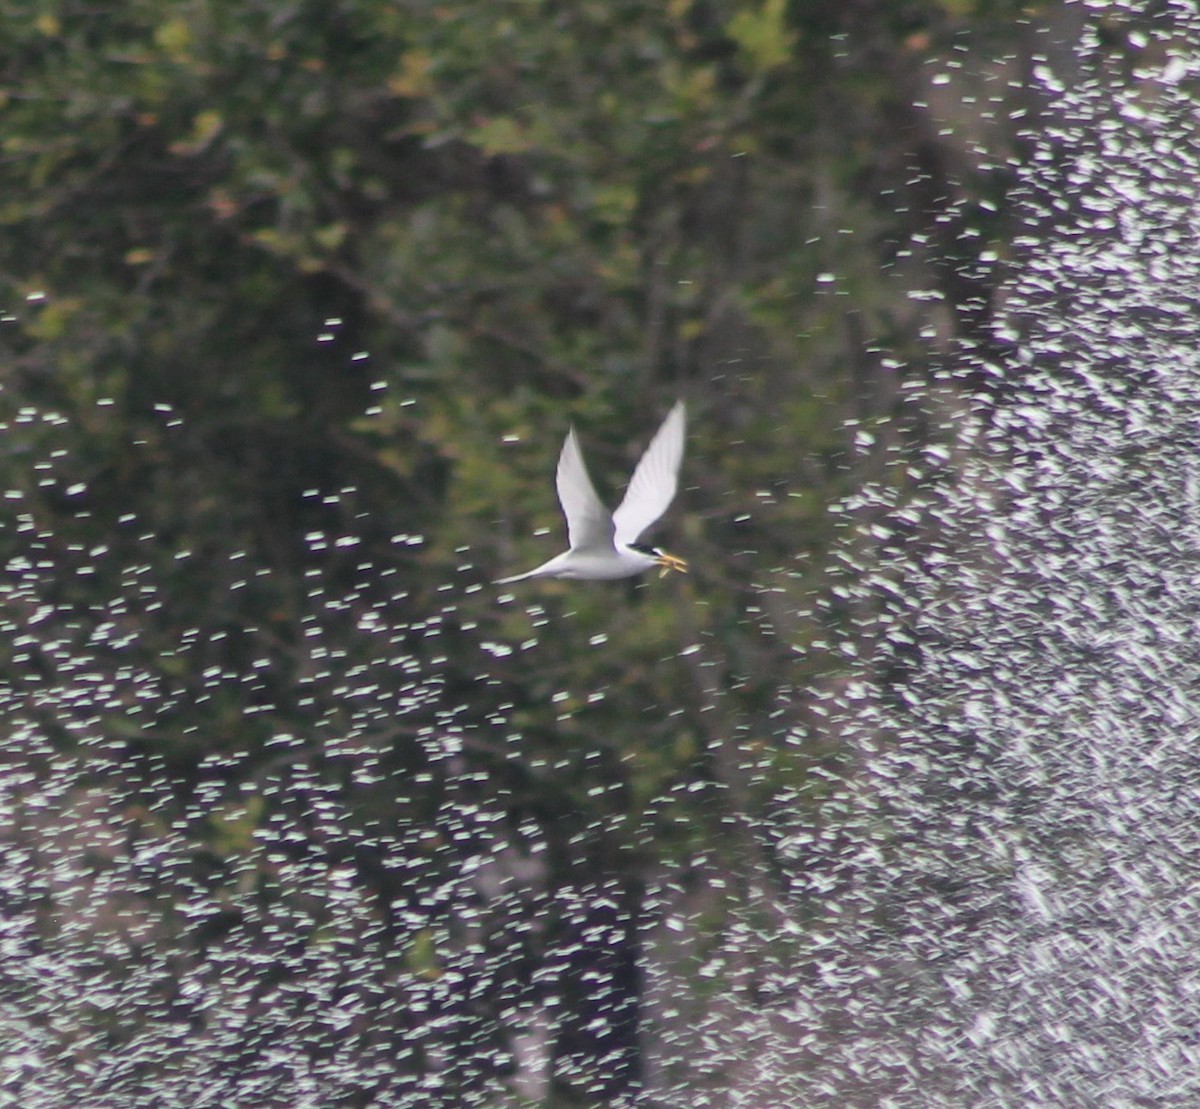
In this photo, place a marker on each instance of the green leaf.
(501, 135)
(762, 36)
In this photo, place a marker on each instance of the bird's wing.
(653, 485)
(589, 523)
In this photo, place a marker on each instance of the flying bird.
(603, 545)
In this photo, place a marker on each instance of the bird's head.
(668, 562)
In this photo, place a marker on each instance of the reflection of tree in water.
(296, 812)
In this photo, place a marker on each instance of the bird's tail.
(515, 577)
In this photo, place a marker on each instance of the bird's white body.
(603, 545)
(587, 565)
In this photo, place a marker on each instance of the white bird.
(604, 546)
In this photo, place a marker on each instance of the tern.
(603, 545)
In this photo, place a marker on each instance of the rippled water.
(1011, 914)
(990, 893)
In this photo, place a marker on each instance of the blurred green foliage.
(301, 298)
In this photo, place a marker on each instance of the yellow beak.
(670, 562)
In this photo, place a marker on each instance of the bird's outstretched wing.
(589, 523)
(653, 485)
